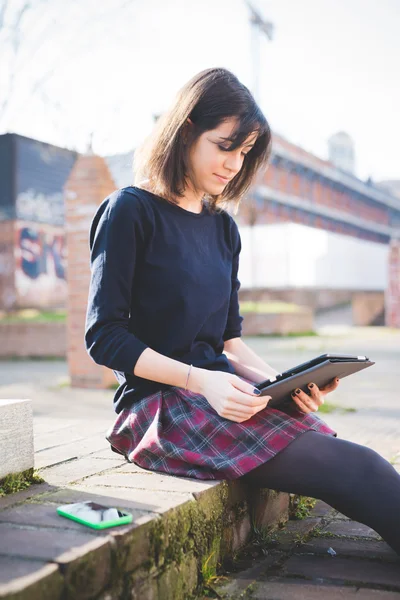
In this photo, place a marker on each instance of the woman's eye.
(227, 150)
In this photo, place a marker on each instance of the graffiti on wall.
(40, 253)
(37, 207)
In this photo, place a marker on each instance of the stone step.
(323, 556)
(178, 525)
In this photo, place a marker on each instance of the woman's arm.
(157, 367)
(246, 362)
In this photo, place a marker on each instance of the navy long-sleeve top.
(163, 278)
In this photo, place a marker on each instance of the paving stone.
(292, 532)
(40, 543)
(43, 580)
(76, 430)
(53, 456)
(337, 516)
(59, 437)
(349, 570)
(284, 589)
(13, 567)
(85, 560)
(32, 491)
(142, 500)
(239, 582)
(108, 453)
(148, 481)
(322, 509)
(351, 529)
(128, 467)
(43, 515)
(347, 547)
(70, 471)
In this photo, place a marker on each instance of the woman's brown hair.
(207, 100)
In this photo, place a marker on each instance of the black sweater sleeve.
(233, 327)
(116, 235)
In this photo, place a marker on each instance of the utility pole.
(259, 27)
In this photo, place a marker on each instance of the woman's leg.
(351, 478)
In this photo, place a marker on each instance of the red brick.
(89, 183)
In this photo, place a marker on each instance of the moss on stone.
(15, 482)
(300, 506)
(199, 531)
(195, 529)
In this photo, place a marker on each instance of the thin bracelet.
(187, 379)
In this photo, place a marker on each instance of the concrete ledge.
(16, 436)
(179, 524)
(256, 323)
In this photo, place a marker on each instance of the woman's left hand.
(310, 402)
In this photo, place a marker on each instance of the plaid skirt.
(177, 432)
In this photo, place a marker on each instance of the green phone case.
(121, 521)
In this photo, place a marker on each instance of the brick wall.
(32, 339)
(88, 184)
(393, 290)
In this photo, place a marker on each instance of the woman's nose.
(233, 161)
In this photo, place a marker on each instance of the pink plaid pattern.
(179, 433)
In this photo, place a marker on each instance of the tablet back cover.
(321, 374)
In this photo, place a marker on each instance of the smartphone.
(94, 515)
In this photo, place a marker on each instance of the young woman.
(163, 313)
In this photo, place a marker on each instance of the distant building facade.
(32, 233)
(302, 188)
(298, 196)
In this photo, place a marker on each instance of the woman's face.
(212, 167)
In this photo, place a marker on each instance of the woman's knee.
(341, 462)
(361, 466)
(373, 463)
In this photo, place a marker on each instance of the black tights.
(351, 478)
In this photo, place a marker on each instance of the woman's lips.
(222, 179)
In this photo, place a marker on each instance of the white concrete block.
(16, 436)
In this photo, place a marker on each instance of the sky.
(109, 67)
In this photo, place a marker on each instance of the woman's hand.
(230, 396)
(308, 403)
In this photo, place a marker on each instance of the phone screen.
(93, 512)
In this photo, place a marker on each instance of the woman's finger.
(315, 393)
(232, 412)
(329, 387)
(302, 405)
(238, 418)
(306, 399)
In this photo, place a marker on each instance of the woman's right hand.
(230, 396)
